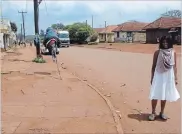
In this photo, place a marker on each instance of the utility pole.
(23, 24)
(36, 21)
(105, 31)
(21, 34)
(92, 21)
(86, 24)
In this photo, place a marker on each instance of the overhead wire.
(46, 7)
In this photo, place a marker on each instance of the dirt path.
(125, 79)
(34, 100)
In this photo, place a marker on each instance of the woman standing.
(163, 77)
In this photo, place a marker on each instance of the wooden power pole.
(36, 21)
(23, 25)
(21, 34)
(105, 31)
(92, 21)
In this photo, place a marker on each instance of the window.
(117, 34)
(129, 34)
(63, 35)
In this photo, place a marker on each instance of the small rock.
(117, 111)
(22, 92)
(124, 102)
(108, 95)
(138, 101)
(64, 67)
(123, 85)
(120, 116)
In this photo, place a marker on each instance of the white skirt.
(163, 86)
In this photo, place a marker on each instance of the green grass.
(39, 60)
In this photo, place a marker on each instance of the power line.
(26, 5)
(23, 19)
(46, 7)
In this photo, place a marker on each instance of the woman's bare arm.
(154, 64)
(175, 67)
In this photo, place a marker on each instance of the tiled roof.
(179, 25)
(130, 26)
(164, 22)
(98, 30)
(108, 29)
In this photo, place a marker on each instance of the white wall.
(122, 36)
(1, 41)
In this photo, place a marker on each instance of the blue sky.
(68, 12)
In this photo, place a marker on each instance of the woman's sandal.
(152, 117)
(163, 117)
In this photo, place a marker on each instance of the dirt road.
(130, 47)
(125, 79)
(34, 100)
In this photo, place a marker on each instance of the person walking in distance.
(163, 77)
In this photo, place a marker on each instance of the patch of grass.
(39, 60)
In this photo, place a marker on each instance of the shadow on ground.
(12, 60)
(143, 117)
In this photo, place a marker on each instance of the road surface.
(35, 100)
(125, 79)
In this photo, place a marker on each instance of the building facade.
(130, 32)
(161, 27)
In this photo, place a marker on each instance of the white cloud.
(114, 12)
(131, 7)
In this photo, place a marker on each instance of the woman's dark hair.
(169, 41)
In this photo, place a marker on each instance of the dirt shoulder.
(130, 47)
(35, 100)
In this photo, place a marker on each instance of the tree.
(79, 32)
(58, 26)
(42, 33)
(13, 27)
(172, 13)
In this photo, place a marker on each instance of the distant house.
(130, 32)
(5, 30)
(161, 27)
(98, 30)
(106, 34)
